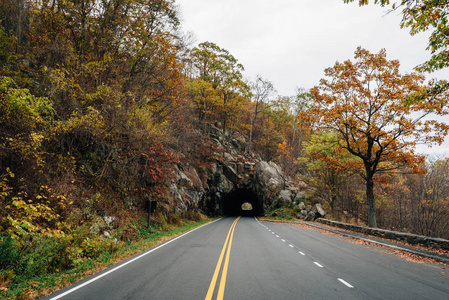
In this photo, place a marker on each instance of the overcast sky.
(291, 42)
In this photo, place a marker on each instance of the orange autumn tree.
(379, 115)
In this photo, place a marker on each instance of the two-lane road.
(242, 258)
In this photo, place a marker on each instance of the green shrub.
(8, 252)
(287, 212)
(192, 215)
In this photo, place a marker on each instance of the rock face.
(232, 171)
(269, 175)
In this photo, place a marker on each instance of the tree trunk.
(250, 139)
(370, 200)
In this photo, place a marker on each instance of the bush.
(287, 212)
(8, 252)
(192, 215)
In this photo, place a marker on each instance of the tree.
(379, 115)
(109, 69)
(424, 15)
(14, 15)
(204, 97)
(217, 66)
(330, 166)
(261, 89)
(430, 200)
(301, 105)
(128, 45)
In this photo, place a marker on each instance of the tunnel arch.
(232, 203)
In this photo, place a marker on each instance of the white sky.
(291, 42)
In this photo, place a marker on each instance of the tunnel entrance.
(238, 202)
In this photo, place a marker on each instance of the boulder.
(310, 216)
(269, 175)
(225, 186)
(301, 206)
(299, 197)
(320, 210)
(302, 214)
(109, 220)
(285, 197)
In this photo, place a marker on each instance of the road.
(242, 258)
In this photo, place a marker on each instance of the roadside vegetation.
(38, 264)
(280, 212)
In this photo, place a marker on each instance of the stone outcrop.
(231, 169)
(186, 189)
(309, 212)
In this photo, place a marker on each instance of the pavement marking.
(213, 282)
(291, 245)
(277, 235)
(126, 263)
(345, 283)
(302, 253)
(225, 267)
(283, 240)
(318, 264)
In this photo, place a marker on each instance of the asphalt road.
(242, 258)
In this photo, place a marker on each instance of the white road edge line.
(318, 264)
(126, 263)
(345, 283)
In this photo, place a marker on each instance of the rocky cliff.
(232, 178)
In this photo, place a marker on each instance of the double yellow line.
(228, 243)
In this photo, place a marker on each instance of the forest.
(90, 89)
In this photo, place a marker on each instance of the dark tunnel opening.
(236, 204)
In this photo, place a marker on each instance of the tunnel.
(242, 202)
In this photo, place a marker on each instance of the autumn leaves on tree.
(420, 16)
(379, 115)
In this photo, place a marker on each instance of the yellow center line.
(225, 268)
(213, 282)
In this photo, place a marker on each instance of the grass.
(45, 284)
